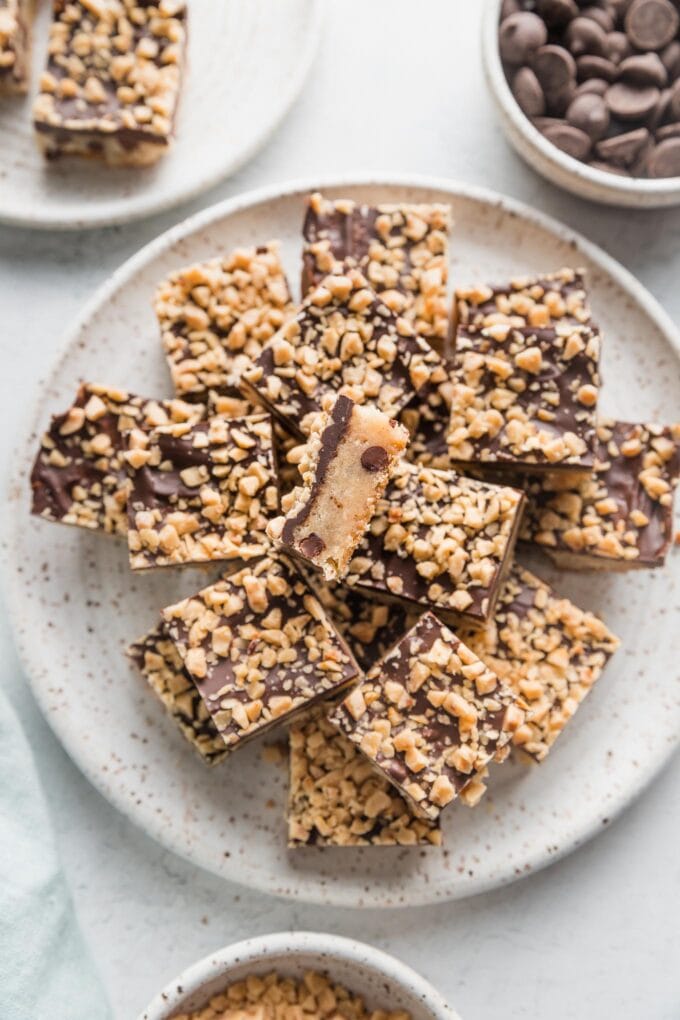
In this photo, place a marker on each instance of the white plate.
(248, 60)
(75, 604)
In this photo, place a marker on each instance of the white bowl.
(551, 162)
(382, 980)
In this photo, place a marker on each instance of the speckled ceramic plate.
(247, 62)
(75, 604)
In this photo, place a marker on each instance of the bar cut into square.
(620, 516)
(430, 716)
(351, 453)
(260, 648)
(337, 798)
(439, 541)
(79, 475)
(159, 662)
(344, 339)
(216, 316)
(548, 651)
(526, 375)
(201, 493)
(402, 249)
(15, 44)
(112, 81)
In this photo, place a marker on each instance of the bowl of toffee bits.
(589, 93)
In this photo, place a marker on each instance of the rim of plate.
(291, 944)
(305, 890)
(136, 208)
(608, 187)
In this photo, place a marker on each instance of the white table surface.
(596, 935)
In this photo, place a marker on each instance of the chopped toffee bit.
(526, 375)
(370, 628)
(337, 798)
(350, 455)
(215, 318)
(112, 81)
(402, 249)
(160, 664)
(260, 648)
(201, 493)
(345, 340)
(619, 517)
(548, 651)
(439, 540)
(79, 475)
(273, 997)
(430, 716)
(15, 20)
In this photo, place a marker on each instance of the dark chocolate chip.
(584, 35)
(664, 159)
(592, 66)
(618, 47)
(660, 111)
(651, 24)
(600, 15)
(643, 69)
(596, 86)
(520, 35)
(311, 545)
(554, 67)
(556, 13)
(622, 150)
(670, 58)
(374, 458)
(591, 114)
(628, 102)
(569, 139)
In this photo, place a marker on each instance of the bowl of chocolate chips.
(589, 93)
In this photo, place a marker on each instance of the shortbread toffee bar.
(79, 475)
(430, 716)
(112, 82)
(350, 455)
(260, 648)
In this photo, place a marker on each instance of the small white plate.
(383, 981)
(75, 605)
(247, 62)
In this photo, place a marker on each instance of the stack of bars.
(363, 465)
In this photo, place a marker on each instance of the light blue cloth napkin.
(45, 970)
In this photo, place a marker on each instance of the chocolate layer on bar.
(216, 316)
(619, 517)
(369, 627)
(344, 339)
(548, 651)
(112, 81)
(201, 493)
(403, 250)
(337, 798)
(430, 716)
(439, 540)
(260, 648)
(160, 664)
(526, 375)
(15, 42)
(79, 475)
(346, 465)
